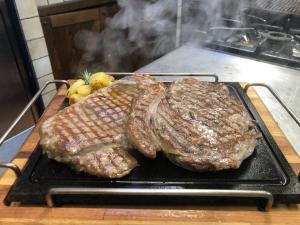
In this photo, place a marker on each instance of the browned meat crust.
(225, 132)
(139, 129)
(91, 135)
(198, 125)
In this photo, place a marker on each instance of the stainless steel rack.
(147, 191)
(160, 192)
(11, 165)
(290, 112)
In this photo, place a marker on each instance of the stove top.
(258, 35)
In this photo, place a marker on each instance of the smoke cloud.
(143, 30)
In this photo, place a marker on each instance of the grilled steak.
(90, 135)
(198, 126)
(175, 134)
(139, 125)
(225, 132)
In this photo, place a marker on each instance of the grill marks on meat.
(174, 132)
(225, 131)
(90, 135)
(139, 125)
(198, 125)
(107, 161)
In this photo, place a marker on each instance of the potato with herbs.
(100, 79)
(89, 82)
(84, 90)
(73, 88)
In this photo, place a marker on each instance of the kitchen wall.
(49, 2)
(32, 29)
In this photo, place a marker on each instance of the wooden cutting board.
(233, 215)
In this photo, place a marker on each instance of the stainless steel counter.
(285, 81)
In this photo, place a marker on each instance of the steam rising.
(143, 30)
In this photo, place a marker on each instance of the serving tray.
(264, 177)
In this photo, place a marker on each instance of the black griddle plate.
(267, 170)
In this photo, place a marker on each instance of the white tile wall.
(42, 66)
(54, 1)
(26, 8)
(42, 80)
(48, 97)
(37, 48)
(32, 28)
(33, 32)
(41, 2)
(49, 2)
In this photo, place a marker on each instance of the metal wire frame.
(11, 165)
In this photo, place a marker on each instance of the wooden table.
(235, 215)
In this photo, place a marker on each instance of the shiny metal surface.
(292, 114)
(161, 192)
(285, 81)
(13, 166)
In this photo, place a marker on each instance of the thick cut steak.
(91, 134)
(225, 132)
(139, 125)
(198, 125)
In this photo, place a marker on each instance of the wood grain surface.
(209, 215)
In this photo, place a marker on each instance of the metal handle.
(13, 166)
(216, 78)
(161, 192)
(290, 112)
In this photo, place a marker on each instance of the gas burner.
(257, 37)
(275, 43)
(277, 36)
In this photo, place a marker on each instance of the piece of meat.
(198, 125)
(225, 132)
(173, 132)
(91, 134)
(139, 125)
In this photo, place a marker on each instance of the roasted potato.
(89, 82)
(84, 90)
(75, 98)
(73, 88)
(99, 80)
